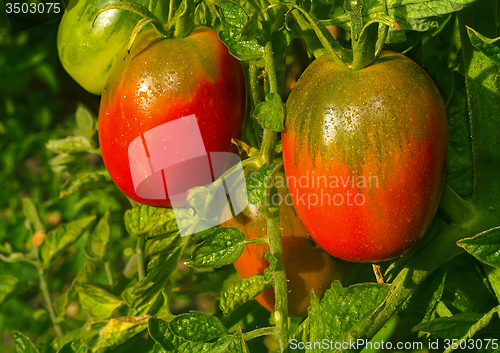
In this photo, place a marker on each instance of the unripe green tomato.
(87, 52)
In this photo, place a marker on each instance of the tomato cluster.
(364, 150)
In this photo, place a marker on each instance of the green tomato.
(87, 52)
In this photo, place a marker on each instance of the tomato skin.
(385, 126)
(88, 51)
(164, 79)
(307, 266)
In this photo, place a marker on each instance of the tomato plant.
(372, 144)
(307, 266)
(164, 79)
(88, 48)
(83, 270)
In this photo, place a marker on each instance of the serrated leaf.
(221, 247)
(97, 303)
(70, 144)
(197, 326)
(270, 114)
(118, 331)
(301, 335)
(141, 219)
(23, 343)
(31, 214)
(343, 312)
(84, 182)
(487, 46)
(85, 121)
(166, 226)
(147, 293)
(161, 333)
(60, 239)
(84, 276)
(485, 246)
(76, 346)
(455, 326)
(87, 333)
(233, 20)
(418, 307)
(257, 183)
(417, 15)
(243, 291)
(8, 286)
(252, 29)
(96, 246)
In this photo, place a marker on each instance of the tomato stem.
(280, 282)
(457, 208)
(264, 331)
(140, 257)
(48, 301)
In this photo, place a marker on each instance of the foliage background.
(38, 101)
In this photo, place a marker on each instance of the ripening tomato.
(365, 152)
(163, 80)
(87, 50)
(307, 266)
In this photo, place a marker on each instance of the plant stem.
(107, 268)
(272, 213)
(280, 282)
(48, 302)
(264, 331)
(140, 257)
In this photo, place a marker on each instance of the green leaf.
(161, 332)
(484, 246)
(234, 19)
(85, 121)
(417, 15)
(97, 303)
(487, 46)
(147, 293)
(257, 183)
(84, 182)
(141, 219)
(343, 312)
(184, 21)
(452, 327)
(253, 29)
(84, 276)
(242, 291)
(23, 343)
(96, 246)
(221, 247)
(60, 239)
(118, 331)
(419, 305)
(196, 326)
(70, 144)
(166, 226)
(270, 114)
(76, 346)
(87, 333)
(31, 214)
(8, 286)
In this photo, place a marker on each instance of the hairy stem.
(140, 257)
(264, 331)
(48, 302)
(280, 282)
